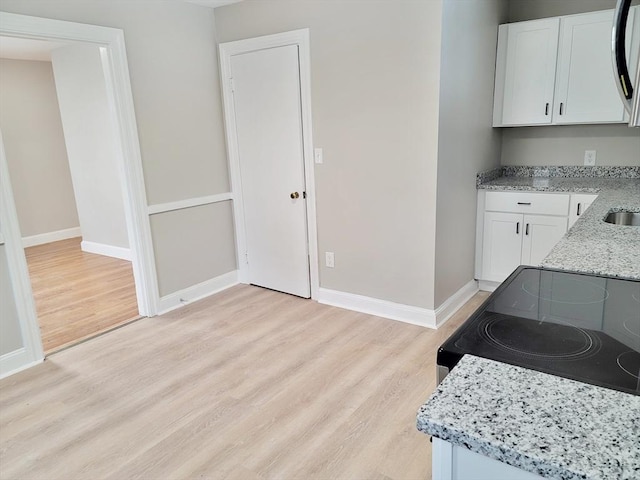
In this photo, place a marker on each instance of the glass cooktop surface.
(578, 326)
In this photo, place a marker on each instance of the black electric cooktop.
(578, 326)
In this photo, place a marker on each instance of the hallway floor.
(77, 294)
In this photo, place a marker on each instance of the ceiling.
(213, 3)
(27, 48)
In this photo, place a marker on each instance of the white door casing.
(266, 97)
(127, 148)
(244, 55)
(31, 351)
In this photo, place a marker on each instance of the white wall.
(616, 144)
(375, 92)
(171, 54)
(10, 335)
(467, 143)
(34, 144)
(91, 144)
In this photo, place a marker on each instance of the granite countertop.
(548, 425)
(591, 245)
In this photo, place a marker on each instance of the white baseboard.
(487, 285)
(107, 250)
(42, 238)
(16, 361)
(197, 292)
(452, 304)
(380, 308)
(423, 317)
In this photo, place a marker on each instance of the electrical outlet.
(329, 259)
(317, 155)
(589, 158)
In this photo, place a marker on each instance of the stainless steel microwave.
(628, 87)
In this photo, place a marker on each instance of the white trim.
(16, 361)
(197, 292)
(227, 50)
(107, 250)
(188, 203)
(42, 238)
(423, 317)
(452, 304)
(487, 285)
(380, 308)
(31, 350)
(114, 60)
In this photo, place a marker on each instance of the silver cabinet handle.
(578, 212)
(526, 230)
(524, 203)
(518, 228)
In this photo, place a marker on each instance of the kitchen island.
(495, 416)
(547, 425)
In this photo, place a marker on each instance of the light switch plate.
(317, 155)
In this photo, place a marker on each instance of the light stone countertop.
(591, 245)
(544, 424)
(541, 423)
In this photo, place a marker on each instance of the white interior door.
(266, 96)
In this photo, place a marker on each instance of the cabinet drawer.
(526, 202)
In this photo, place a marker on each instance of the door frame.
(31, 352)
(227, 50)
(127, 147)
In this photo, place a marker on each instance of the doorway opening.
(126, 168)
(55, 118)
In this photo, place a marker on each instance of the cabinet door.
(586, 89)
(529, 72)
(578, 204)
(502, 245)
(541, 234)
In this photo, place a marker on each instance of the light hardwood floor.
(247, 384)
(78, 294)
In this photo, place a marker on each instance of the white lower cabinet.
(510, 238)
(579, 203)
(451, 462)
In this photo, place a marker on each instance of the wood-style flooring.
(247, 384)
(78, 294)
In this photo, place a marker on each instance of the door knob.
(295, 195)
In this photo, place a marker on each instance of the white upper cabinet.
(530, 66)
(558, 71)
(586, 87)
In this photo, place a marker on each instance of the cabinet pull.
(578, 212)
(546, 109)
(561, 104)
(526, 230)
(524, 203)
(518, 228)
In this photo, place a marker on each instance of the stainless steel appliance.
(628, 87)
(577, 326)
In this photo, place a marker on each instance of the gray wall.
(91, 144)
(10, 336)
(375, 90)
(616, 144)
(34, 144)
(171, 50)
(467, 143)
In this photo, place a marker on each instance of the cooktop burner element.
(538, 339)
(578, 326)
(569, 291)
(630, 363)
